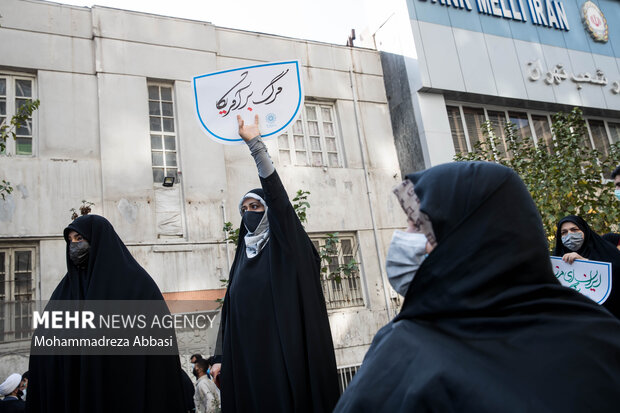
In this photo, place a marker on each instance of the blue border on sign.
(607, 264)
(296, 62)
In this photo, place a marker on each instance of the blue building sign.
(547, 13)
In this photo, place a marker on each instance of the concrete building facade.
(452, 65)
(117, 114)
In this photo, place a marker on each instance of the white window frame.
(529, 112)
(164, 134)
(8, 302)
(292, 150)
(11, 110)
(336, 298)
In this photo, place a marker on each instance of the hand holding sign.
(250, 131)
(571, 257)
(272, 91)
(590, 278)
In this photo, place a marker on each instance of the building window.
(163, 135)
(599, 136)
(16, 293)
(313, 139)
(542, 129)
(614, 131)
(341, 289)
(456, 126)
(522, 125)
(465, 123)
(15, 91)
(345, 375)
(498, 123)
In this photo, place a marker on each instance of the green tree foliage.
(300, 204)
(7, 130)
(567, 178)
(328, 252)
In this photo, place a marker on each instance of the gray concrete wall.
(92, 142)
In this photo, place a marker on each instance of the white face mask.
(406, 253)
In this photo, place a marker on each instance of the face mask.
(617, 192)
(78, 253)
(406, 253)
(251, 219)
(195, 373)
(573, 240)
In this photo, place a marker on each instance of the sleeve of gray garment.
(261, 157)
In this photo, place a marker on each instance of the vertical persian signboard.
(590, 278)
(273, 91)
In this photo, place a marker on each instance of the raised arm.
(275, 194)
(283, 221)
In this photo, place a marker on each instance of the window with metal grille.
(312, 139)
(15, 91)
(16, 293)
(340, 276)
(163, 135)
(345, 375)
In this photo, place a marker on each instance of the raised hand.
(250, 131)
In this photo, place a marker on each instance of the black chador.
(105, 270)
(277, 348)
(485, 325)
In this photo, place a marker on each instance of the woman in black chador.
(574, 239)
(99, 267)
(275, 342)
(485, 326)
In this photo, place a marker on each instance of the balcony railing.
(344, 293)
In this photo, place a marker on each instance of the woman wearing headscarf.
(574, 239)
(485, 326)
(100, 267)
(275, 339)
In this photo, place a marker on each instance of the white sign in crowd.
(273, 91)
(590, 278)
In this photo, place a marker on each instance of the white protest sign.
(272, 90)
(590, 278)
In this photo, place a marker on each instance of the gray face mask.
(406, 253)
(78, 253)
(573, 240)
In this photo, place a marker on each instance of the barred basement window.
(345, 375)
(163, 135)
(339, 288)
(16, 293)
(313, 139)
(15, 91)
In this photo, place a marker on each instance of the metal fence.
(344, 293)
(343, 289)
(345, 375)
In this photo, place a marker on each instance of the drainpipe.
(375, 232)
(226, 235)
